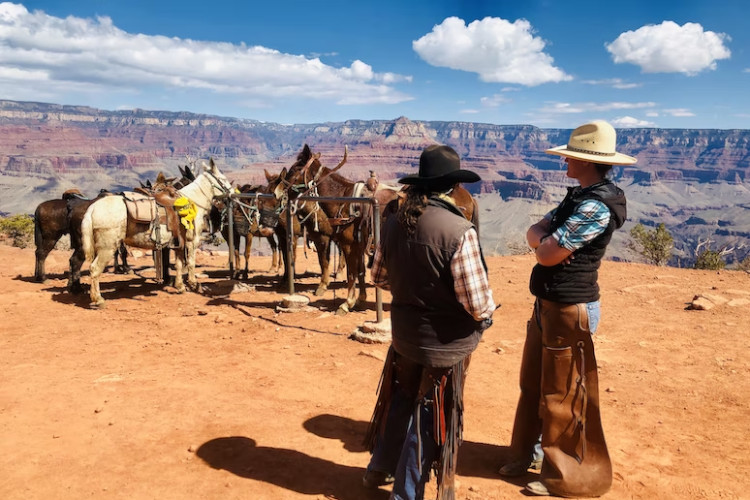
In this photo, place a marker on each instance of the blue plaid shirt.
(589, 220)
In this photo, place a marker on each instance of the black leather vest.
(429, 325)
(576, 282)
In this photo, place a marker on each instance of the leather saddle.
(157, 208)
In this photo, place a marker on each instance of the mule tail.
(87, 235)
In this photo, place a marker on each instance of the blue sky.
(553, 64)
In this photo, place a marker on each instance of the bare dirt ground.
(209, 396)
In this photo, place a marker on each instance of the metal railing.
(290, 238)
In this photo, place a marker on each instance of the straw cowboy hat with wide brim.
(594, 142)
(439, 167)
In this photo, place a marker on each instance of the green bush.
(19, 229)
(653, 245)
(744, 264)
(710, 259)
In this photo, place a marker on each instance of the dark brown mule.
(345, 224)
(55, 218)
(461, 196)
(245, 224)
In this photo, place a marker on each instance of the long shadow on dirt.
(289, 469)
(135, 289)
(474, 459)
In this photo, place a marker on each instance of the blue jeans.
(412, 473)
(397, 451)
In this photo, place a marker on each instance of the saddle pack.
(169, 215)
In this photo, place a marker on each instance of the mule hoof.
(100, 304)
(342, 310)
(320, 291)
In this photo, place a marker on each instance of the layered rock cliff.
(47, 148)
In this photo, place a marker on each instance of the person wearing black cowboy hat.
(430, 259)
(559, 379)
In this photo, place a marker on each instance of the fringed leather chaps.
(528, 424)
(440, 387)
(576, 460)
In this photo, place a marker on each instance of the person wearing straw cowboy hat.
(559, 380)
(430, 259)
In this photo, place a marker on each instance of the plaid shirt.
(470, 281)
(589, 220)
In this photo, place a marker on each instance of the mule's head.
(219, 182)
(270, 208)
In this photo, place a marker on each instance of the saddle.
(158, 209)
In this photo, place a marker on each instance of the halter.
(214, 185)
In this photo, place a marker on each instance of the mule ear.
(282, 175)
(304, 154)
(182, 171)
(269, 177)
(148, 184)
(212, 164)
(278, 192)
(160, 178)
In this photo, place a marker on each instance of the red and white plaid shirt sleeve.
(378, 272)
(470, 280)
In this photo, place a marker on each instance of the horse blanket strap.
(341, 221)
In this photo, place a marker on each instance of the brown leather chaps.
(560, 399)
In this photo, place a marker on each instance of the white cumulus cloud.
(616, 83)
(630, 122)
(678, 112)
(51, 53)
(670, 48)
(496, 49)
(493, 101)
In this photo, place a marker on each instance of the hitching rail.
(290, 237)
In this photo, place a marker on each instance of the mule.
(345, 224)
(245, 225)
(55, 218)
(106, 223)
(460, 195)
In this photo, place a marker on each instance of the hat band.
(588, 151)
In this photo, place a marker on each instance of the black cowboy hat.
(439, 167)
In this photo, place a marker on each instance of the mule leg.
(76, 261)
(101, 259)
(342, 263)
(192, 282)
(179, 264)
(274, 255)
(248, 247)
(323, 246)
(122, 268)
(41, 253)
(165, 266)
(359, 253)
(237, 243)
(351, 281)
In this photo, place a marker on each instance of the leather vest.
(429, 325)
(576, 282)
